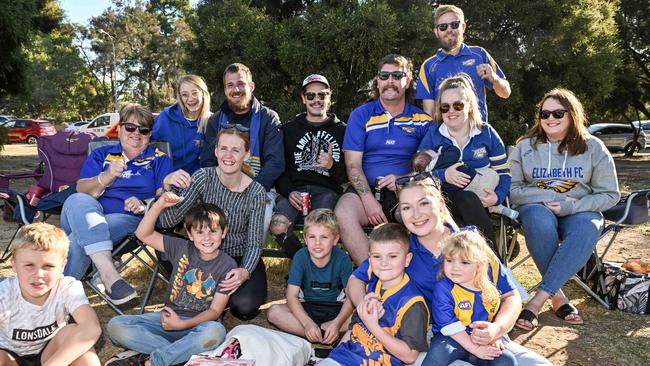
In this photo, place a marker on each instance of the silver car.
(645, 125)
(617, 136)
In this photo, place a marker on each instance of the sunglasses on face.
(557, 114)
(443, 26)
(132, 127)
(321, 95)
(397, 75)
(458, 106)
(236, 126)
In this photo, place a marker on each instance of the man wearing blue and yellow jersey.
(381, 138)
(455, 57)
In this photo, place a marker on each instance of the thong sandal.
(568, 309)
(528, 316)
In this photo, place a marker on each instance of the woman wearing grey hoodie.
(562, 178)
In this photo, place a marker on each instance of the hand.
(483, 332)
(295, 199)
(374, 298)
(368, 313)
(499, 344)
(486, 352)
(116, 168)
(490, 198)
(554, 207)
(570, 199)
(325, 159)
(313, 333)
(485, 71)
(170, 320)
(454, 177)
(331, 332)
(373, 210)
(134, 205)
(234, 278)
(168, 199)
(388, 181)
(179, 178)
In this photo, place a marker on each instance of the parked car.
(73, 126)
(101, 124)
(5, 118)
(645, 125)
(617, 136)
(28, 130)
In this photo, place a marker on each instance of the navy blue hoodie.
(183, 136)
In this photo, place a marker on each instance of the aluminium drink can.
(306, 203)
(377, 189)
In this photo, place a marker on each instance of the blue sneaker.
(121, 292)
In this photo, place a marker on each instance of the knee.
(211, 334)
(273, 314)
(279, 224)
(507, 358)
(117, 330)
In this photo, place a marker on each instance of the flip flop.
(568, 309)
(528, 316)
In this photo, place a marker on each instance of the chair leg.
(5, 255)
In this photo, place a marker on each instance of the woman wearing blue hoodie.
(183, 123)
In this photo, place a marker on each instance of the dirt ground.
(608, 337)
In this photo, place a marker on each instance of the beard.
(452, 42)
(241, 106)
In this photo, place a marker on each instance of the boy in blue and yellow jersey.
(391, 323)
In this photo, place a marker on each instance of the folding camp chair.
(131, 248)
(62, 156)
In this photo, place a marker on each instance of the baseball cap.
(314, 78)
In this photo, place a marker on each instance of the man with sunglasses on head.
(455, 57)
(314, 161)
(381, 138)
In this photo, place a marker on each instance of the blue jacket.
(270, 141)
(183, 137)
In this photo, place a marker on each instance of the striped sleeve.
(499, 162)
(253, 243)
(173, 215)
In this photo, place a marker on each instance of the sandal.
(528, 316)
(568, 309)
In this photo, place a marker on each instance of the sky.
(80, 11)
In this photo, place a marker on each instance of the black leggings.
(467, 209)
(246, 301)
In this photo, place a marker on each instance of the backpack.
(629, 291)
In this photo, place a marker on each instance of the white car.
(101, 124)
(74, 126)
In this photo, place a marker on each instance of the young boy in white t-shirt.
(35, 305)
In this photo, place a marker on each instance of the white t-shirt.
(26, 328)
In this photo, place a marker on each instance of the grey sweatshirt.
(542, 174)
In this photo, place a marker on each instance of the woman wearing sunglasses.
(562, 178)
(112, 187)
(183, 124)
(229, 185)
(463, 141)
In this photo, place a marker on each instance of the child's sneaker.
(127, 358)
(121, 292)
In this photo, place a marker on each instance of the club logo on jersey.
(557, 185)
(479, 153)
(465, 305)
(469, 62)
(408, 129)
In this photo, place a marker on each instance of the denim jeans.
(444, 350)
(560, 246)
(90, 231)
(144, 334)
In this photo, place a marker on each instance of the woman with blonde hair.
(562, 178)
(183, 123)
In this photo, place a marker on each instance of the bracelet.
(99, 179)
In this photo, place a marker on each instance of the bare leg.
(560, 299)
(104, 263)
(7, 360)
(351, 217)
(61, 343)
(280, 316)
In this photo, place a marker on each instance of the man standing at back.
(380, 140)
(455, 57)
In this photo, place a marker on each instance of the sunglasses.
(402, 181)
(236, 126)
(443, 26)
(397, 75)
(321, 95)
(458, 106)
(132, 127)
(557, 114)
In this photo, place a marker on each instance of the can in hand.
(377, 189)
(306, 203)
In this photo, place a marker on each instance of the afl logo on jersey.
(465, 305)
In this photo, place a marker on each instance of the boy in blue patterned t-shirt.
(316, 306)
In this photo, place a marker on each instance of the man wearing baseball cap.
(313, 161)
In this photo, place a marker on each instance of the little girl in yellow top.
(464, 294)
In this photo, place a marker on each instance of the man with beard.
(455, 57)
(381, 138)
(312, 148)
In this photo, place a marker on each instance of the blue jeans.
(90, 231)
(444, 350)
(144, 334)
(560, 246)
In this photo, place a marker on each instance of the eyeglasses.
(458, 106)
(397, 75)
(321, 95)
(443, 26)
(236, 126)
(557, 114)
(131, 127)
